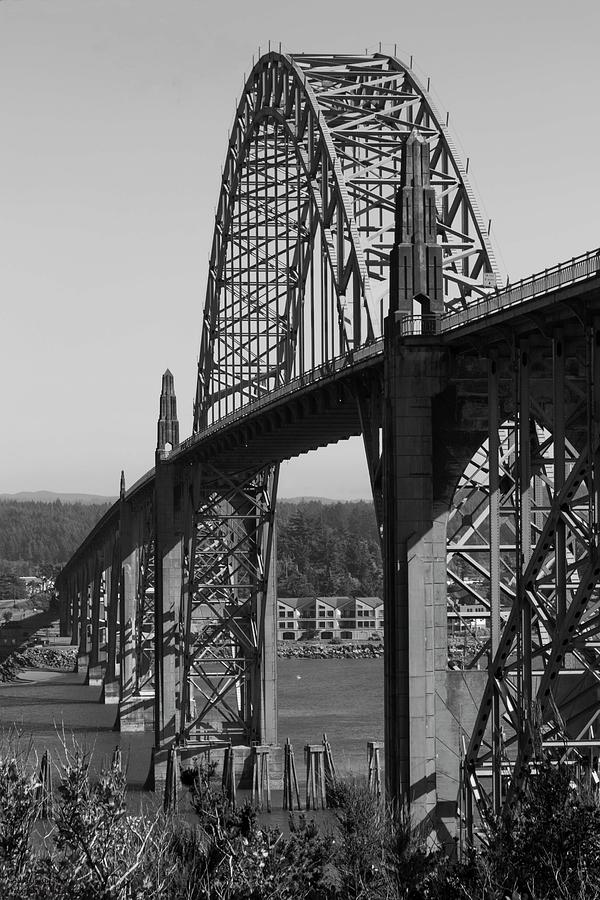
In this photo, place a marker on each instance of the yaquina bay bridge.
(352, 290)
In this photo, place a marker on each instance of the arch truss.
(305, 221)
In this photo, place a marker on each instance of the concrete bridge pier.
(65, 609)
(428, 438)
(131, 710)
(414, 569)
(435, 417)
(84, 627)
(74, 602)
(111, 686)
(94, 673)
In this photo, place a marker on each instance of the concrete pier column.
(268, 662)
(106, 563)
(269, 652)
(131, 709)
(74, 601)
(83, 653)
(94, 675)
(113, 573)
(414, 569)
(65, 607)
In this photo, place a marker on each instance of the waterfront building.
(329, 618)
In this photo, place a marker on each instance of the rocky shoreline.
(63, 659)
(329, 651)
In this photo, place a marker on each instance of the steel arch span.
(307, 218)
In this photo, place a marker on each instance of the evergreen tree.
(328, 549)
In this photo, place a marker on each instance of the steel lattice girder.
(305, 221)
(228, 554)
(525, 519)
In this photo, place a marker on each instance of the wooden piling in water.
(228, 777)
(171, 798)
(117, 759)
(44, 791)
(315, 776)
(290, 778)
(329, 768)
(261, 782)
(374, 767)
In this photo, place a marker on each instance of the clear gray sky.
(114, 117)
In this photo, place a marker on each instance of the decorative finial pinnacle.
(168, 425)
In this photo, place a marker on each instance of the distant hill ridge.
(325, 500)
(52, 497)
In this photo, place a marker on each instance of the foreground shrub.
(550, 845)
(241, 860)
(99, 848)
(92, 848)
(18, 810)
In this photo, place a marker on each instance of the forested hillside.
(330, 549)
(34, 534)
(322, 548)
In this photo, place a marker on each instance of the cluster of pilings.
(255, 775)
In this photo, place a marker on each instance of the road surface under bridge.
(352, 290)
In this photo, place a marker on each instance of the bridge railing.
(561, 275)
(329, 368)
(419, 325)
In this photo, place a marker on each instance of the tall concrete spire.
(168, 425)
(416, 258)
